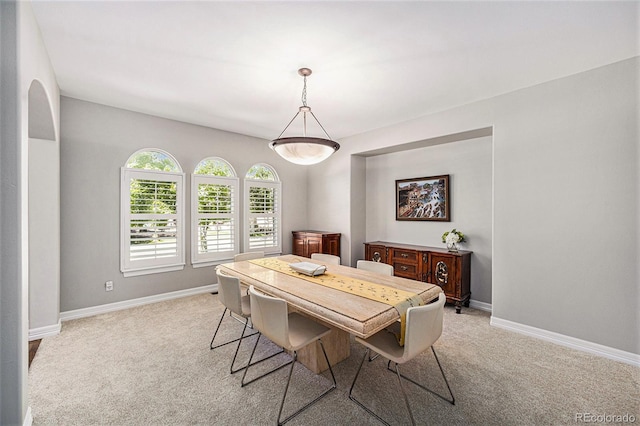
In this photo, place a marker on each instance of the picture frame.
(424, 198)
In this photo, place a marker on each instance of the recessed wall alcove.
(467, 157)
(41, 123)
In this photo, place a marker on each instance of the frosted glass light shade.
(304, 150)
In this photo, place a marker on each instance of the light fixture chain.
(304, 92)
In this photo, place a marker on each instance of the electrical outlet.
(108, 286)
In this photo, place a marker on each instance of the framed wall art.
(425, 198)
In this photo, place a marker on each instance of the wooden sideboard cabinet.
(451, 271)
(306, 243)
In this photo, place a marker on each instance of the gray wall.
(96, 141)
(566, 206)
(468, 164)
(565, 200)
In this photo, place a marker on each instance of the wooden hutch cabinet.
(451, 271)
(307, 242)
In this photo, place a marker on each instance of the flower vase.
(452, 247)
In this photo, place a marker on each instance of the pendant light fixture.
(303, 149)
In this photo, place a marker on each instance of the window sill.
(148, 271)
(205, 263)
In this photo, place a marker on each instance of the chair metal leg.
(239, 340)
(451, 401)
(286, 389)
(235, 355)
(366, 352)
(404, 394)
(309, 404)
(242, 320)
(249, 364)
(215, 333)
(353, 398)
(211, 346)
(328, 363)
(400, 377)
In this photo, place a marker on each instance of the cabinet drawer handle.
(404, 268)
(405, 255)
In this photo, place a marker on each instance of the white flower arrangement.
(453, 237)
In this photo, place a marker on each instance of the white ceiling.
(233, 65)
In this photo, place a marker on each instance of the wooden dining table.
(344, 313)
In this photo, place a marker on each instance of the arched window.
(262, 172)
(214, 210)
(262, 201)
(152, 198)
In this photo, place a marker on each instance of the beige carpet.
(152, 365)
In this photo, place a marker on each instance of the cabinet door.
(314, 245)
(331, 245)
(376, 253)
(443, 271)
(299, 244)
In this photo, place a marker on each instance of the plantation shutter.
(263, 201)
(152, 217)
(215, 212)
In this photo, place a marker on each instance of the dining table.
(348, 300)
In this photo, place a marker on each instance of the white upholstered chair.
(248, 256)
(377, 267)
(231, 297)
(423, 328)
(326, 258)
(290, 331)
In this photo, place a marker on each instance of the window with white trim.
(214, 212)
(152, 238)
(262, 205)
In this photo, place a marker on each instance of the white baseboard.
(28, 418)
(483, 306)
(126, 304)
(570, 342)
(47, 331)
